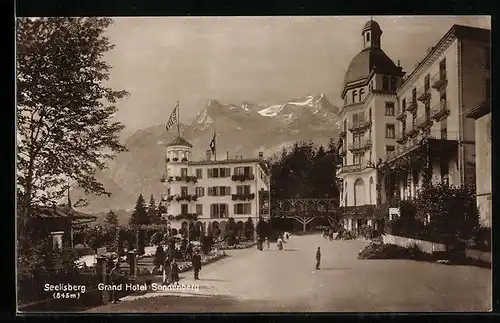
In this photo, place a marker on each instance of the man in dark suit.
(318, 258)
(196, 261)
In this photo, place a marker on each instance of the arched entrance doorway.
(359, 192)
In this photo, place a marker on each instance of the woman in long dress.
(280, 243)
(175, 272)
(166, 270)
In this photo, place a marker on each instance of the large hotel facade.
(208, 192)
(397, 126)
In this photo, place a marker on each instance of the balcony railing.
(440, 110)
(401, 115)
(439, 80)
(424, 94)
(360, 145)
(409, 145)
(412, 132)
(355, 168)
(243, 177)
(360, 126)
(243, 197)
(423, 122)
(412, 105)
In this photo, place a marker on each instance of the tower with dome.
(369, 90)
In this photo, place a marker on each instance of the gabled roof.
(179, 141)
(62, 212)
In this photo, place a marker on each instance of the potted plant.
(234, 197)
(184, 159)
(178, 198)
(194, 198)
(175, 159)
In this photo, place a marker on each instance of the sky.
(161, 60)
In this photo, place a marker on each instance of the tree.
(154, 215)
(64, 109)
(249, 229)
(230, 232)
(111, 220)
(140, 215)
(64, 112)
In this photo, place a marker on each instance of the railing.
(243, 197)
(423, 122)
(401, 115)
(439, 80)
(424, 94)
(412, 132)
(409, 145)
(412, 105)
(440, 110)
(355, 168)
(243, 177)
(360, 126)
(363, 144)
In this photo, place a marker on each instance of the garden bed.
(241, 245)
(391, 251)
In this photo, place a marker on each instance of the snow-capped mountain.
(242, 130)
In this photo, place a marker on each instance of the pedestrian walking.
(174, 272)
(167, 266)
(268, 245)
(115, 277)
(196, 261)
(280, 243)
(318, 258)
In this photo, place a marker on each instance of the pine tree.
(111, 220)
(154, 217)
(140, 214)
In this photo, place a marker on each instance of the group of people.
(279, 242)
(328, 234)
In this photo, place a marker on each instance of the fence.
(31, 289)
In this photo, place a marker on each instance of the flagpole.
(178, 119)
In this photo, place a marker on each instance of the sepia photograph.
(287, 164)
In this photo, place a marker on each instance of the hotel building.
(418, 126)
(208, 192)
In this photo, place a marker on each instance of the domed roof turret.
(372, 25)
(179, 141)
(368, 59)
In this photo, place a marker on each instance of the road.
(279, 281)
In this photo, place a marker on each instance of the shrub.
(159, 256)
(156, 238)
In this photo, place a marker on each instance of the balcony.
(439, 80)
(360, 126)
(410, 144)
(243, 177)
(342, 134)
(423, 122)
(440, 111)
(412, 106)
(401, 139)
(412, 132)
(243, 197)
(354, 168)
(361, 145)
(424, 95)
(401, 116)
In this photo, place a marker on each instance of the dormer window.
(367, 36)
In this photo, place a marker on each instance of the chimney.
(209, 154)
(261, 154)
(227, 155)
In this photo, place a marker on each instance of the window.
(403, 105)
(218, 211)
(403, 130)
(247, 171)
(219, 191)
(213, 173)
(243, 189)
(355, 119)
(442, 69)
(168, 192)
(414, 95)
(200, 191)
(345, 125)
(427, 82)
(444, 129)
(385, 83)
(389, 108)
(243, 208)
(390, 132)
(370, 115)
(389, 149)
(184, 208)
(367, 37)
(184, 190)
(393, 84)
(224, 172)
(184, 172)
(427, 110)
(199, 173)
(444, 168)
(199, 209)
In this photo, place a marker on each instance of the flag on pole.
(173, 118)
(212, 145)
